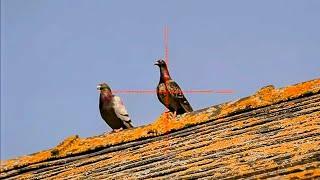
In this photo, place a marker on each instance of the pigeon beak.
(98, 87)
(156, 64)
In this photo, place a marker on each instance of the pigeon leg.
(174, 114)
(168, 114)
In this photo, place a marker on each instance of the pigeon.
(169, 93)
(112, 109)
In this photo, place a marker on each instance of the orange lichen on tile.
(239, 166)
(305, 174)
(164, 124)
(309, 123)
(75, 145)
(247, 122)
(242, 169)
(281, 149)
(306, 147)
(238, 124)
(114, 158)
(218, 144)
(269, 95)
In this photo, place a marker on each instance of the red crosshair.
(166, 57)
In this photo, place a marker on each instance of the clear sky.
(55, 52)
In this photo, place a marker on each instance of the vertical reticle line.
(166, 44)
(166, 58)
(167, 94)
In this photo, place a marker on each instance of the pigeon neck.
(106, 95)
(164, 74)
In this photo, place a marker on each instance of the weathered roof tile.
(275, 132)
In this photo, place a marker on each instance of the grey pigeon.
(169, 93)
(112, 109)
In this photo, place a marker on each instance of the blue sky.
(55, 52)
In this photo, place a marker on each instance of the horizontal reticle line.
(223, 91)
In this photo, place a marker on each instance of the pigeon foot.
(116, 130)
(171, 115)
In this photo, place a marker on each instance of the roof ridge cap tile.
(74, 145)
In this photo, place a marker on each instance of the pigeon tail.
(127, 125)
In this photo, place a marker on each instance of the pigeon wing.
(177, 93)
(121, 111)
(161, 93)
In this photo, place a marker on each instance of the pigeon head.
(103, 87)
(164, 72)
(161, 63)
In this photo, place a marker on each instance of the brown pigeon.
(112, 109)
(169, 93)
